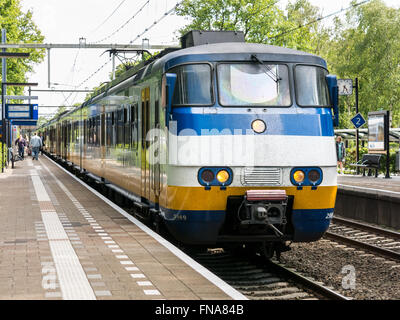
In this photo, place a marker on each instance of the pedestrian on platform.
(36, 144)
(41, 139)
(340, 153)
(21, 142)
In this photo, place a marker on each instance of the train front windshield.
(244, 84)
(311, 86)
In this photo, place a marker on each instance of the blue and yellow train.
(222, 143)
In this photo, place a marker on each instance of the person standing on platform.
(340, 153)
(36, 144)
(21, 142)
(41, 139)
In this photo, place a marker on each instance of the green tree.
(262, 21)
(20, 29)
(302, 29)
(366, 45)
(41, 121)
(256, 18)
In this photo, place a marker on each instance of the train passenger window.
(245, 84)
(134, 125)
(125, 114)
(127, 131)
(120, 127)
(193, 85)
(84, 131)
(133, 119)
(311, 86)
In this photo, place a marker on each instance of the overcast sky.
(67, 21)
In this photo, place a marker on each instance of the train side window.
(132, 114)
(103, 129)
(127, 131)
(193, 85)
(108, 129)
(157, 113)
(84, 131)
(125, 114)
(134, 125)
(98, 132)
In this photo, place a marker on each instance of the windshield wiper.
(268, 70)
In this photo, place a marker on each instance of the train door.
(145, 166)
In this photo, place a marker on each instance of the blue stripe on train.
(310, 225)
(190, 124)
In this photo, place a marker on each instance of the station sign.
(22, 111)
(24, 123)
(358, 120)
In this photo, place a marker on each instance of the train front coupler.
(264, 207)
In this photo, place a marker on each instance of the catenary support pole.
(48, 67)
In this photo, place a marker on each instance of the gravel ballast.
(324, 260)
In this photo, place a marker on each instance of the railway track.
(374, 239)
(258, 279)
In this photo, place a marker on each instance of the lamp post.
(3, 114)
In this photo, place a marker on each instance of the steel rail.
(308, 283)
(372, 248)
(367, 227)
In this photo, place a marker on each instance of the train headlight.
(314, 176)
(223, 176)
(298, 176)
(215, 176)
(306, 176)
(258, 126)
(207, 176)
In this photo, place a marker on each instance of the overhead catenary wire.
(123, 26)
(115, 10)
(317, 20)
(157, 21)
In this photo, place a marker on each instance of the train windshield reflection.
(250, 85)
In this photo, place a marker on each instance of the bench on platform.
(369, 161)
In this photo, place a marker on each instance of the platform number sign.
(358, 120)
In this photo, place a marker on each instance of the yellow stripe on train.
(197, 198)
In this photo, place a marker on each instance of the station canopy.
(350, 134)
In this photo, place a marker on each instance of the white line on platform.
(73, 282)
(229, 290)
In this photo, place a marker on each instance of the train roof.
(236, 51)
(227, 51)
(237, 48)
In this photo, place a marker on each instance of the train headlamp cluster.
(214, 176)
(306, 177)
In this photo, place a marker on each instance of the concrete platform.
(59, 240)
(378, 185)
(369, 199)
